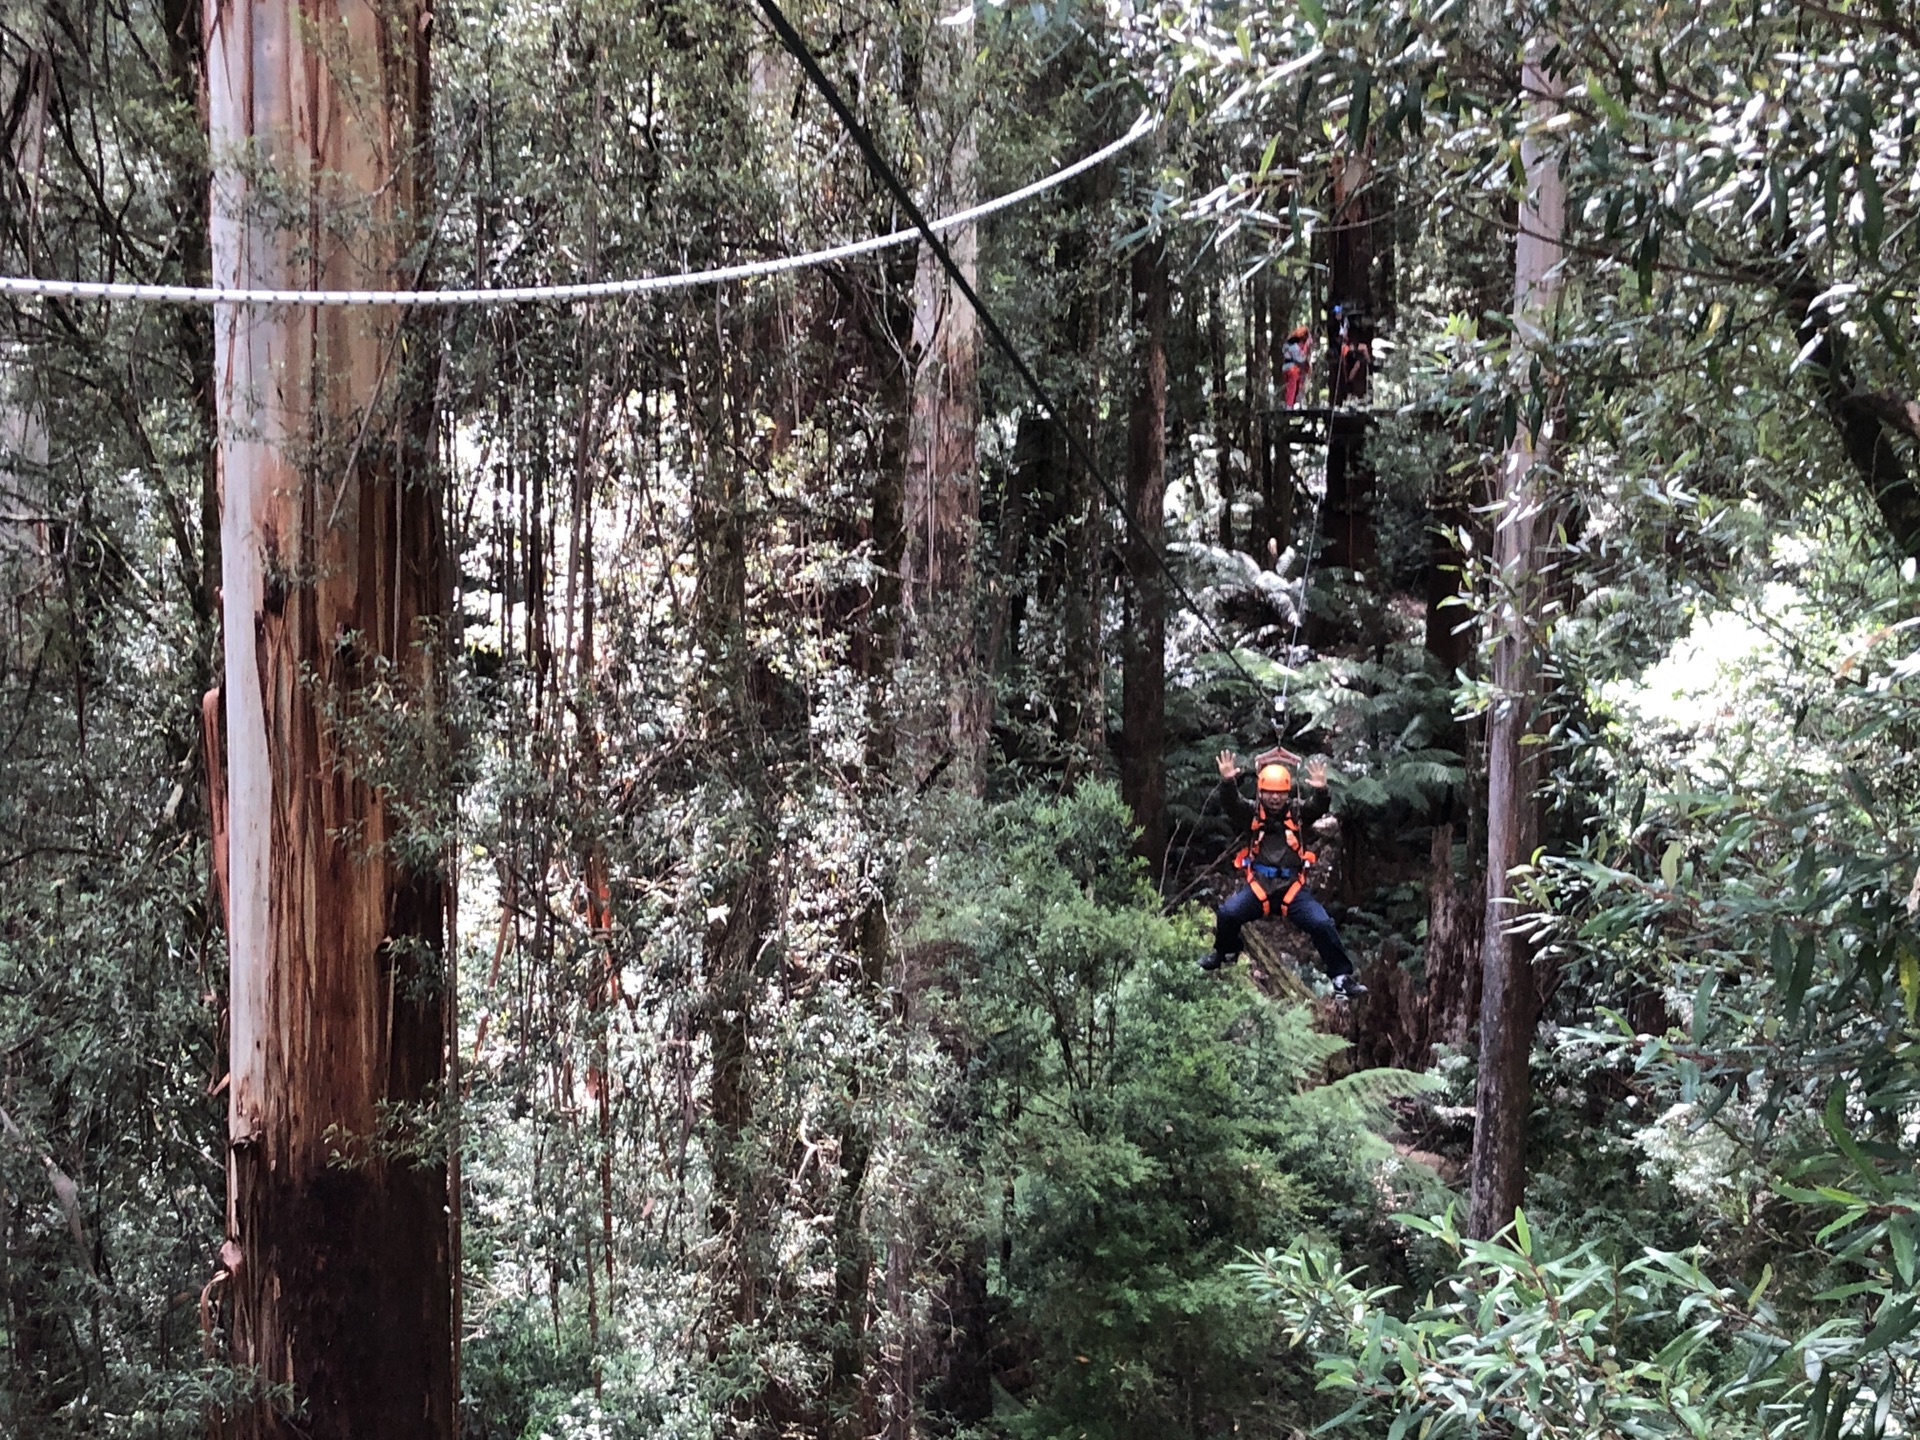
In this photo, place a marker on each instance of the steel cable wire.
(32, 286)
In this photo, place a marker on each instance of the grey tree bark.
(23, 429)
(1508, 999)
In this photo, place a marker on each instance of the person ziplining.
(1274, 863)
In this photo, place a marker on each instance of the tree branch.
(64, 1189)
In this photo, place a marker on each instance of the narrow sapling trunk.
(193, 324)
(1508, 1000)
(334, 583)
(23, 538)
(1081, 691)
(1220, 405)
(1262, 426)
(23, 430)
(1144, 648)
(1347, 511)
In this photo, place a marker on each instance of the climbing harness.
(558, 294)
(1261, 876)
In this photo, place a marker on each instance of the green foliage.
(1148, 1121)
(1519, 1341)
(1388, 722)
(1026, 1084)
(111, 1130)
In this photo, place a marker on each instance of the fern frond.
(1368, 1095)
(1368, 792)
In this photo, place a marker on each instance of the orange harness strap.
(1244, 861)
(1299, 884)
(1260, 893)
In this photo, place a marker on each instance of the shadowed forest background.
(635, 869)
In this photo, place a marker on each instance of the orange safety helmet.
(1275, 779)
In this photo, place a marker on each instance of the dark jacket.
(1274, 849)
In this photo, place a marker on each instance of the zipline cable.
(29, 286)
(1306, 575)
(887, 176)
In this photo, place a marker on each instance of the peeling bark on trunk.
(1508, 1002)
(1456, 911)
(334, 576)
(1144, 646)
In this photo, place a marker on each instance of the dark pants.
(1307, 913)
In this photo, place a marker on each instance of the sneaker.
(1213, 960)
(1348, 986)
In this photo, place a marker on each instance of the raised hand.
(1317, 774)
(1229, 764)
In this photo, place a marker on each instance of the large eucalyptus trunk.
(337, 1248)
(1508, 998)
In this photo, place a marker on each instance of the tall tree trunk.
(23, 429)
(334, 578)
(1264, 428)
(23, 531)
(1220, 410)
(867, 1381)
(734, 936)
(1282, 493)
(1508, 1000)
(942, 499)
(1144, 647)
(193, 324)
(1079, 698)
(1347, 515)
(1081, 693)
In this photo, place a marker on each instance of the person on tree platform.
(1294, 356)
(1274, 864)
